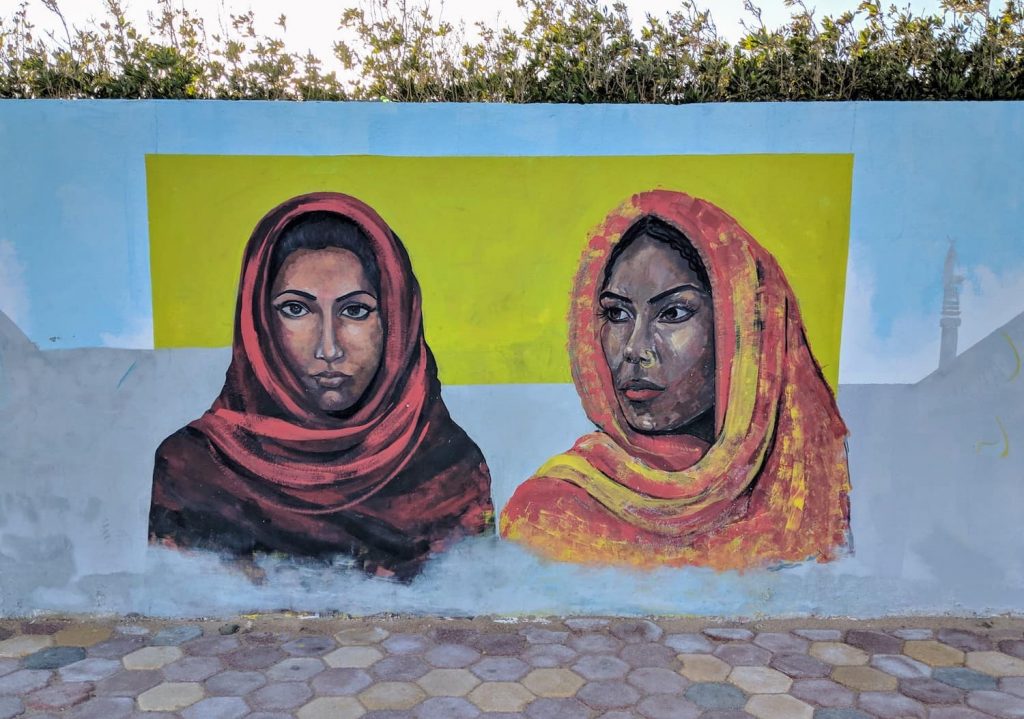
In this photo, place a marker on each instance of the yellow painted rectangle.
(494, 241)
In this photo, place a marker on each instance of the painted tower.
(950, 309)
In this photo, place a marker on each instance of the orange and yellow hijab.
(774, 484)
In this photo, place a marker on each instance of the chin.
(334, 402)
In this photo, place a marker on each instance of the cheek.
(688, 349)
(364, 343)
(613, 339)
(296, 338)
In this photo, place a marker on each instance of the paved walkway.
(278, 667)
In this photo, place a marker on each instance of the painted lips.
(330, 380)
(640, 390)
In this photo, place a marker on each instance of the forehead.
(328, 267)
(648, 267)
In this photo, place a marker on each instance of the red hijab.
(772, 485)
(261, 470)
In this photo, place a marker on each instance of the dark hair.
(320, 230)
(657, 229)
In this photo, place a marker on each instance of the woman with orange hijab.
(719, 442)
(330, 435)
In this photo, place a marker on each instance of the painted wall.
(122, 233)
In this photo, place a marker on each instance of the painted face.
(327, 323)
(658, 338)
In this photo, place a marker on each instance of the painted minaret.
(950, 309)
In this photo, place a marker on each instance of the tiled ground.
(272, 668)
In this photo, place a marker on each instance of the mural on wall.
(330, 435)
(719, 442)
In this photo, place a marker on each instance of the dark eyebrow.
(300, 293)
(354, 293)
(662, 295)
(613, 296)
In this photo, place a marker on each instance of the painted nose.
(328, 348)
(639, 349)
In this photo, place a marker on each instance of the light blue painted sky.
(74, 243)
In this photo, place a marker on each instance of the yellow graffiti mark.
(1006, 441)
(1016, 356)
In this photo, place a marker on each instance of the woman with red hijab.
(719, 442)
(330, 435)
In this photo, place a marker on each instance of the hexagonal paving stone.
(595, 643)
(295, 669)
(448, 682)
(500, 644)
(235, 683)
(874, 642)
(446, 708)
(998, 704)
(217, 708)
(778, 706)
(782, 642)
(557, 709)
(913, 633)
(176, 636)
(600, 666)
(995, 663)
(501, 697)
(400, 669)
(743, 654)
(553, 682)
(56, 657)
(115, 648)
(452, 656)
(170, 696)
(341, 682)
(716, 695)
(800, 666)
(254, 657)
(671, 706)
(689, 644)
(151, 657)
(930, 691)
(361, 635)
(539, 635)
(608, 695)
(637, 631)
(392, 695)
(864, 679)
(963, 678)
(82, 635)
(1012, 685)
(585, 624)
(11, 707)
(193, 669)
(100, 708)
(964, 640)
(353, 657)
(312, 646)
(500, 669)
(129, 683)
(549, 655)
(730, 633)
(1013, 647)
(331, 708)
(25, 681)
(9, 665)
(406, 644)
(890, 705)
(823, 692)
(213, 646)
(819, 635)
(59, 696)
(281, 695)
(760, 680)
(90, 670)
(838, 654)
(23, 645)
(901, 666)
(704, 668)
(657, 680)
(955, 712)
(933, 653)
(454, 635)
(649, 655)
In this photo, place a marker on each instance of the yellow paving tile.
(553, 682)
(362, 635)
(332, 708)
(778, 706)
(392, 695)
(357, 657)
(933, 653)
(864, 679)
(448, 682)
(760, 680)
(82, 635)
(996, 664)
(704, 668)
(151, 657)
(501, 696)
(170, 697)
(23, 645)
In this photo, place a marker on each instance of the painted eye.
(675, 313)
(355, 312)
(616, 314)
(292, 309)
